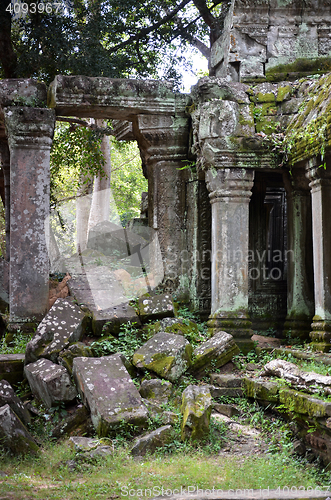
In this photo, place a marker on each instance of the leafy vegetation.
(17, 344)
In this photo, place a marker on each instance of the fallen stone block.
(180, 326)
(155, 307)
(110, 320)
(305, 404)
(108, 390)
(196, 410)
(78, 423)
(263, 390)
(14, 434)
(8, 396)
(12, 367)
(229, 392)
(50, 383)
(152, 441)
(226, 380)
(156, 390)
(226, 409)
(299, 379)
(62, 325)
(214, 353)
(165, 354)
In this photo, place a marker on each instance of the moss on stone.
(268, 97)
(284, 93)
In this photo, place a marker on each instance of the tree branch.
(155, 26)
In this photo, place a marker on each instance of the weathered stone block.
(214, 353)
(179, 326)
(14, 434)
(110, 320)
(156, 307)
(77, 422)
(165, 354)
(8, 396)
(230, 392)
(63, 325)
(226, 380)
(49, 382)
(12, 367)
(226, 409)
(158, 414)
(299, 402)
(155, 389)
(264, 390)
(108, 390)
(152, 441)
(196, 410)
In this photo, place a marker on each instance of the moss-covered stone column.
(163, 142)
(300, 279)
(320, 185)
(230, 192)
(30, 132)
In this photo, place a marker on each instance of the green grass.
(17, 345)
(48, 476)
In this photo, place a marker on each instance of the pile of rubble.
(61, 368)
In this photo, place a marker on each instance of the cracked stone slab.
(49, 382)
(63, 325)
(214, 353)
(8, 396)
(108, 390)
(110, 320)
(166, 354)
(156, 307)
(152, 441)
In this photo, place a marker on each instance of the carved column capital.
(229, 184)
(318, 175)
(163, 137)
(30, 128)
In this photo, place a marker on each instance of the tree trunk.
(100, 206)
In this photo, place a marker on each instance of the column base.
(239, 328)
(297, 329)
(321, 335)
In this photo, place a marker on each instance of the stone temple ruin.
(236, 224)
(244, 235)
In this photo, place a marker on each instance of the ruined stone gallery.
(236, 223)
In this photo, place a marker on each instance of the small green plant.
(17, 344)
(128, 341)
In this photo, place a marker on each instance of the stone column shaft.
(300, 283)
(163, 141)
(320, 185)
(5, 163)
(230, 191)
(30, 132)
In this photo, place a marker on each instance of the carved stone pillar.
(163, 142)
(320, 185)
(5, 164)
(300, 280)
(230, 192)
(29, 132)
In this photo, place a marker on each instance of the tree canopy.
(112, 38)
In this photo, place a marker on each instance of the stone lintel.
(120, 99)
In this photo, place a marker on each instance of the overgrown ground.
(250, 451)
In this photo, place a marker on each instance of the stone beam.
(30, 132)
(114, 98)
